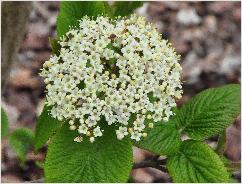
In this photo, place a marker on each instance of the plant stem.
(221, 143)
(154, 163)
(234, 166)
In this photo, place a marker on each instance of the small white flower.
(136, 135)
(78, 139)
(120, 69)
(97, 132)
(82, 129)
(92, 139)
(71, 122)
(121, 132)
(72, 127)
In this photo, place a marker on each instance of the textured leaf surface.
(45, 128)
(4, 123)
(196, 163)
(124, 8)
(72, 11)
(20, 141)
(163, 139)
(210, 112)
(106, 160)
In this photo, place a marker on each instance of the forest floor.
(207, 35)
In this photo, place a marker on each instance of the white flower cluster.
(121, 70)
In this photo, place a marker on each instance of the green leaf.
(124, 8)
(226, 163)
(55, 46)
(4, 124)
(20, 141)
(108, 9)
(196, 163)
(106, 160)
(163, 139)
(209, 112)
(72, 11)
(45, 128)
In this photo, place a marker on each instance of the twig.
(154, 163)
(41, 180)
(234, 166)
(156, 157)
